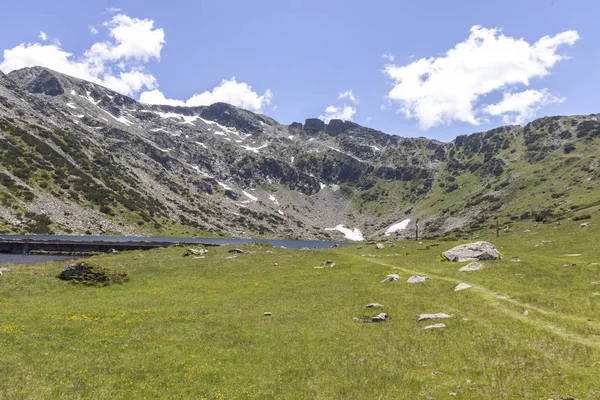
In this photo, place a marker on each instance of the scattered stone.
(516, 259)
(371, 242)
(304, 249)
(527, 231)
(595, 294)
(231, 257)
(198, 257)
(426, 317)
(269, 252)
(383, 317)
(434, 326)
(359, 247)
(569, 265)
(112, 251)
(584, 224)
(327, 262)
(474, 266)
(417, 279)
(275, 264)
(572, 255)
(196, 252)
(236, 251)
(374, 305)
(4, 269)
(461, 286)
(464, 319)
(452, 393)
(391, 278)
(525, 313)
(596, 283)
(267, 314)
(379, 246)
(473, 252)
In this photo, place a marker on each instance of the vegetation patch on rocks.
(92, 274)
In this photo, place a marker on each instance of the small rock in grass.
(198, 257)
(426, 317)
(464, 320)
(527, 231)
(383, 317)
(374, 305)
(434, 326)
(379, 246)
(267, 314)
(231, 257)
(269, 252)
(304, 249)
(461, 286)
(4, 269)
(584, 224)
(572, 255)
(525, 313)
(474, 266)
(516, 259)
(417, 279)
(391, 278)
(327, 262)
(596, 283)
(235, 251)
(473, 252)
(196, 252)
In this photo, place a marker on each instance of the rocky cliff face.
(77, 157)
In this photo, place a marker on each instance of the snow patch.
(398, 226)
(351, 234)
(248, 195)
(224, 186)
(255, 149)
(335, 188)
(219, 133)
(201, 144)
(323, 186)
(273, 199)
(183, 119)
(121, 119)
(280, 212)
(292, 159)
(71, 105)
(73, 93)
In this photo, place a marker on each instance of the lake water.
(31, 259)
(25, 259)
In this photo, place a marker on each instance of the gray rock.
(4, 269)
(383, 317)
(474, 266)
(417, 279)
(197, 252)
(74, 271)
(434, 326)
(473, 252)
(374, 305)
(267, 314)
(379, 246)
(236, 251)
(391, 278)
(584, 224)
(461, 286)
(314, 124)
(426, 317)
(526, 313)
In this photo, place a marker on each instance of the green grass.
(194, 328)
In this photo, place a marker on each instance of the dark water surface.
(25, 259)
(31, 259)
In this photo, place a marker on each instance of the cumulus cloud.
(43, 36)
(93, 30)
(348, 95)
(449, 88)
(516, 108)
(229, 91)
(345, 113)
(132, 42)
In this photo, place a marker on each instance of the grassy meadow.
(194, 328)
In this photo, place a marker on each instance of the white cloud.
(134, 42)
(448, 88)
(113, 10)
(345, 113)
(517, 108)
(43, 36)
(388, 56)
(348, 95)
(93, 30)
(229, 91)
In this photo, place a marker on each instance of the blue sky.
(292, 60)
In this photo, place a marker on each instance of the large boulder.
(92, 274)
(473, 252)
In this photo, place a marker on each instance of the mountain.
(76, 157)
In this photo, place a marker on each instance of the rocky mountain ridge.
(76, 157)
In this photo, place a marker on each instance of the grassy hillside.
(194, 328)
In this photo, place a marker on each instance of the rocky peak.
(38, 80)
